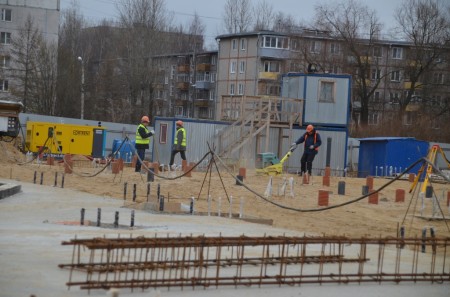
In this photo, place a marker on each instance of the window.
(241, 89)
(335, 69)
(233, 67)
(242, 67)
(435, 124)
(163, 133)
(5, 61)
(335, 48)
(273, 90)
(373, 118)
(231, 89)
(394, 98)
(271, 66)
(376, 96)
(408, 118)
(243, 44)
(5, 38)
(378, 51)
(315, 47)
(5, 15)
(234, 44)
(179, 110)
(172, 71)
(213, 77)
(3, 85)
(326, 91)
(213, 60)
(375, 74)
(275, 42)
(397, 53)
(212, 94)
(395, 75)
(295, 44)
(438, 78)
(171, 91)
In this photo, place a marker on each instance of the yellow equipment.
(52, 138)
(431, 157)
(277, 167)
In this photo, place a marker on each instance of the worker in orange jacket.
(312, 141)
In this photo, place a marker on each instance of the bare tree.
(24, 51)
(237, 16)
(426, 25)
(357, 28)
(69, 69)
(44, 80)
(264, 16)
(144, 23)
(284, 23)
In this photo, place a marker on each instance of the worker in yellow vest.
(142, 141)
(179, 144)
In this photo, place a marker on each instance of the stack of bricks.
(326, 177)
(323, 198)
(68, 164)
(399, 195)
(373, 197)
(115, 167)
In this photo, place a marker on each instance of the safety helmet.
(145, 119)
(309, 128)
(179, 123)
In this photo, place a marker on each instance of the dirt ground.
(300, 213)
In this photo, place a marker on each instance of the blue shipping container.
(385, 156)
(126, 150)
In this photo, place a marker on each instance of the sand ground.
(300, 212)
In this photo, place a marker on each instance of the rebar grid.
(143, 262)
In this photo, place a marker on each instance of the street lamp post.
(82, 87)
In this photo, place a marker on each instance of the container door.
(97, 144)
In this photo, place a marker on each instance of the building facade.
(14, 14)
(186, 85)
(251, 64)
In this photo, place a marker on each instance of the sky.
(210, 11)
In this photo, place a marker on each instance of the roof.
(385, 138)
(252, 33)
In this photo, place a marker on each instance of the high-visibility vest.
(139, 139)
(315, 140)
(183, 142)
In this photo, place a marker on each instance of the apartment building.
(185, 85)
(251, 64)
(45, 15)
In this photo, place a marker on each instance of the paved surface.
(31, 232)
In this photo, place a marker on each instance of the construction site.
(78, 220)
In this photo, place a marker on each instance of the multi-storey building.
(250, 64)
(14, 14)
(186, 85)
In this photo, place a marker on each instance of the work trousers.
(174, 152)
(306, 162)
(141, 154)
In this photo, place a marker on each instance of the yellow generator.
(55, 139)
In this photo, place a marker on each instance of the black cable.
(329, 207)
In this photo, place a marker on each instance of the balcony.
(203, 67)
(183, 86)
(269, 75)
(180, 102)
(184, 68)
(203, 85)
(202, 102)
(407, 85)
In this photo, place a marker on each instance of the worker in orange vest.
(312, 141)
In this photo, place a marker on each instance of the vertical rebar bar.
(125, 191)
(82, 217)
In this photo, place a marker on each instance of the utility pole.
(82, 87)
